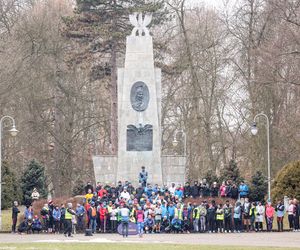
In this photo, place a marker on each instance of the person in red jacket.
(101, 192)
(270, 211)
(103, 215)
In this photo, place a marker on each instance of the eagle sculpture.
(140, 24)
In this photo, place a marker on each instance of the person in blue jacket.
(149, 224)
(164, 210)
(36, 224)
(243, 190)
(171, 211)
(176, 224)
(80, 211)
(179, 193)
(56, 219)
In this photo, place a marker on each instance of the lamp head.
(254, 129)
(13, 131)
(175, 142)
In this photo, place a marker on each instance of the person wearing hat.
(68, 220)
(143, 177)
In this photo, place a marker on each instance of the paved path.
(287, 239)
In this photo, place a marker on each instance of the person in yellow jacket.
(88, 196)
(132, 215)
(68, 220)
(178, 211)
(220, 218)
(196, 218)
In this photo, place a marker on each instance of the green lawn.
(80, 246)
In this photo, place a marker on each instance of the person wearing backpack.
(92, 214)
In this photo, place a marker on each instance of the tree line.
(58, 64)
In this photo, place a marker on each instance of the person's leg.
(296, 222)
(290, 218)
(271, 224)
(203, 224)
(101, 229)
(239, 225)
(281, 223)
(69, 227)
(213, 224)
(123, 228)
(226, 224)
(126, 229)
(115, 226)
(209, 225)
(104, 225)
(13, 228)
(195, 225)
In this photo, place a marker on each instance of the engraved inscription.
(139, 96)
(139, 138)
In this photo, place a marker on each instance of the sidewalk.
(244, 239)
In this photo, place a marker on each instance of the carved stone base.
(173, 168)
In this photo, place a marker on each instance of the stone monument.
(139, 116)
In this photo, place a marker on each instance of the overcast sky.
(214, 3)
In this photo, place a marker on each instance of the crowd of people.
(155, 209)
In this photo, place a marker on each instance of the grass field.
(80, 246)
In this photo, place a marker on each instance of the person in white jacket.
(260, 213)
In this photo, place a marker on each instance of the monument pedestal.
(173, 169)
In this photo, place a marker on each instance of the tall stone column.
(139, 113)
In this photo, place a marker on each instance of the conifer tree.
(231, 172)
(33, 177)
(10, 189)
(258, 187)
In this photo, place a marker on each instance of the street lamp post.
(254, 131)
(175, 142)
(13, 131)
